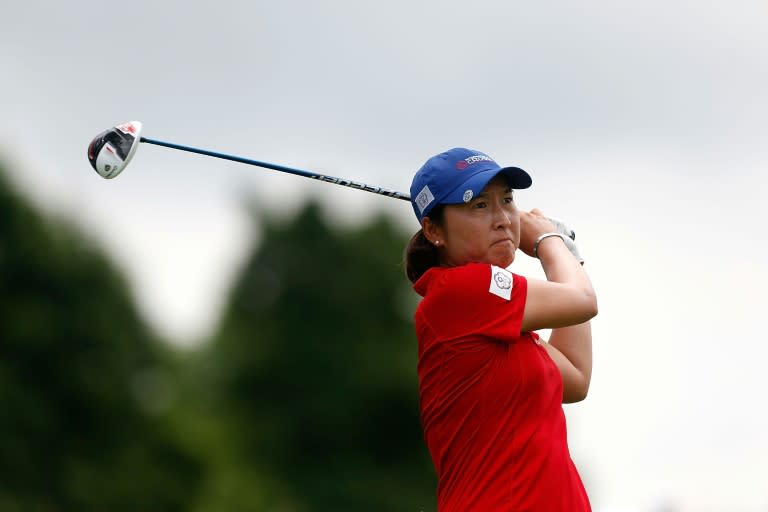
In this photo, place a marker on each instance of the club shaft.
(290, 170)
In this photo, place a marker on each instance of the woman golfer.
(490, 390)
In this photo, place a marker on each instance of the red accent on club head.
(127, 127)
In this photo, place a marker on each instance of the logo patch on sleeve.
(501, 282)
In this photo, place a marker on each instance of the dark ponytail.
(420, 253)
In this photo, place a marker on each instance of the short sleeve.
(476, 299)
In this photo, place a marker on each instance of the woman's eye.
(480, 204)
(509, 200)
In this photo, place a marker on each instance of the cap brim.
(516, 177)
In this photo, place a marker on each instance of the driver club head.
(112, 150)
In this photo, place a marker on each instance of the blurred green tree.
(81, 379)
(306, 398)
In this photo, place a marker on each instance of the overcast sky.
(643, 125)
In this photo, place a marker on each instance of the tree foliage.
(304, 399)
(73, 357)
(313, 369)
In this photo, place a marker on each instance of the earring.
(437, 242)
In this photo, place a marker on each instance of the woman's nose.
(502, 217)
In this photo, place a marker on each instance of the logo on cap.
(468, 195)
(424, 198)
(463, 164)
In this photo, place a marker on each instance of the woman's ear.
(432, 232)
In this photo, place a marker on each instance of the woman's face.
(484, 230)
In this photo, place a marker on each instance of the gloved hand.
(569, 238)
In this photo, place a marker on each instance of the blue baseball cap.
(456, 176)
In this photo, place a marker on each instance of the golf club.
(112, 150)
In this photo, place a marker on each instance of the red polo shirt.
(490, 397)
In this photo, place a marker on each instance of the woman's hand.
(533, 224)
(566, 298)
